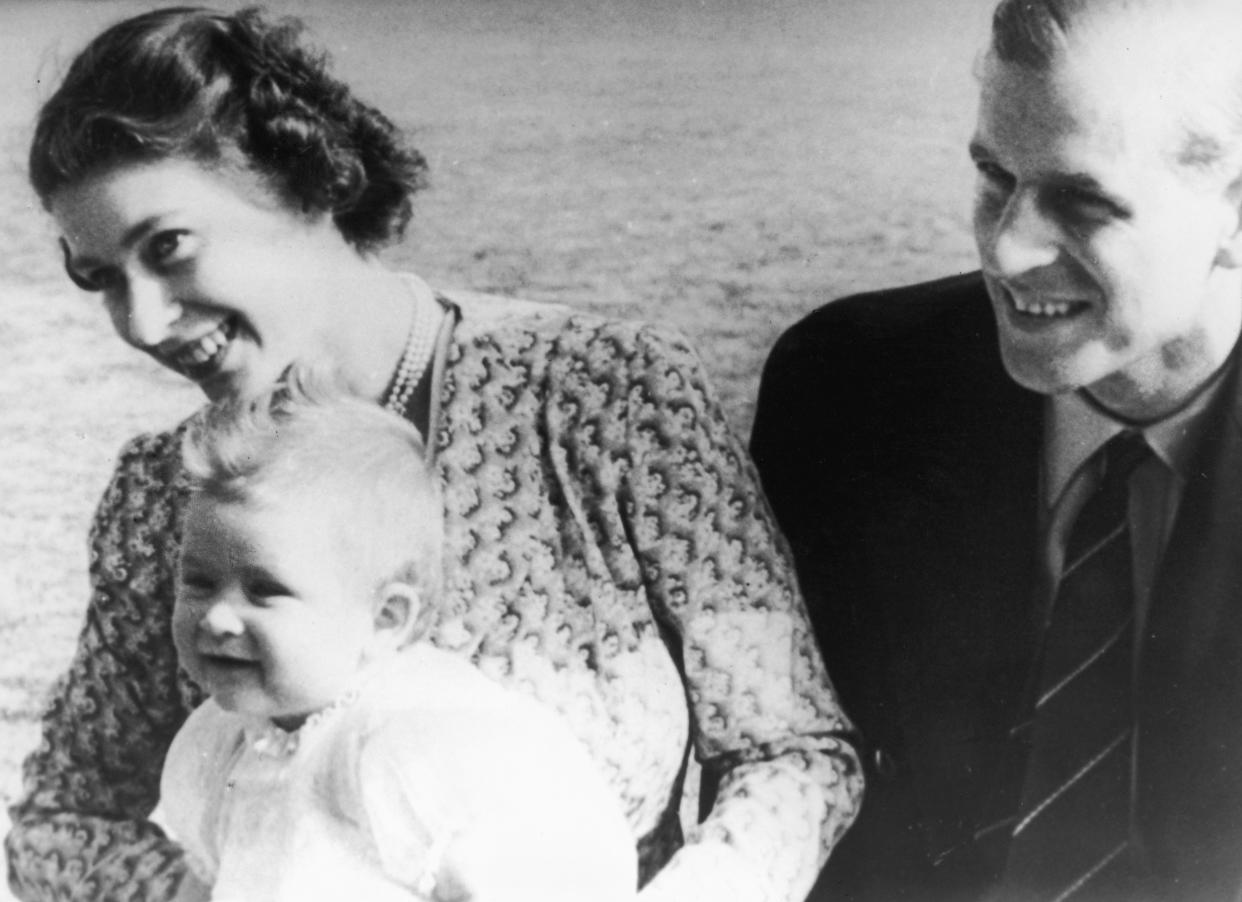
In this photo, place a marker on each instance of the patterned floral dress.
(607, 550)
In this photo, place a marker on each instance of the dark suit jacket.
(903, 465)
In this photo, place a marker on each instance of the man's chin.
(1043, 373)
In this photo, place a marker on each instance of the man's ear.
(1229, 249)
(397, 609)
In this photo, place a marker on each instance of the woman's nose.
(221, 620)
(148, 312)
(1021, 239)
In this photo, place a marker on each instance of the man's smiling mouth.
(1031, 305)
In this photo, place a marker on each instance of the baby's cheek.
(183, 638)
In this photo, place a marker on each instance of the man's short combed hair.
(1036, 33)
(307, 442)
(1032, 33)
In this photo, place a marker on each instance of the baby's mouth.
(226, 662)
(202, 357)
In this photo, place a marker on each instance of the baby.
(340, 755)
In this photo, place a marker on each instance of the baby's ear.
(396, 613)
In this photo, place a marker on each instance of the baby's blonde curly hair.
(307, 442)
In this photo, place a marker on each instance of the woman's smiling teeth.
(199, 357)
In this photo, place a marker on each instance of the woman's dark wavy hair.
(194, 83)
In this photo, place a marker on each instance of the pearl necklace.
(419, 346)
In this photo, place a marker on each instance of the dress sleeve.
(767, 726)
(81, 830)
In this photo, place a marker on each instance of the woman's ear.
(397, 610)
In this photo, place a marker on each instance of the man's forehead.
(1149, 65)
(1068, 104)
(1159, 39)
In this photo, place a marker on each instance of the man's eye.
(1085, 205)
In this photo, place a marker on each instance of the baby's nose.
(222, 619)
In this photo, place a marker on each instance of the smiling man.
(1015, 496)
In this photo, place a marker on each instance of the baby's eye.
(194, 582)
(262, 591)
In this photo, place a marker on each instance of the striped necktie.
(1072, 839)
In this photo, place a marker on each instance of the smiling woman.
(606, 547)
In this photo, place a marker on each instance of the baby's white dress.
(427, 781)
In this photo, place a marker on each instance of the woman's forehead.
(114, 203)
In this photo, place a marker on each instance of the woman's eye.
(98, 279)
(168, 247)
(993, 175)
(95, 280)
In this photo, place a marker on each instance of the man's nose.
(148, 312)
(1021, 239)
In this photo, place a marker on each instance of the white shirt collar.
(1076, 428)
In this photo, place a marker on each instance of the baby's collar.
(271, 741)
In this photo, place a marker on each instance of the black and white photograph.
(645, 451)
